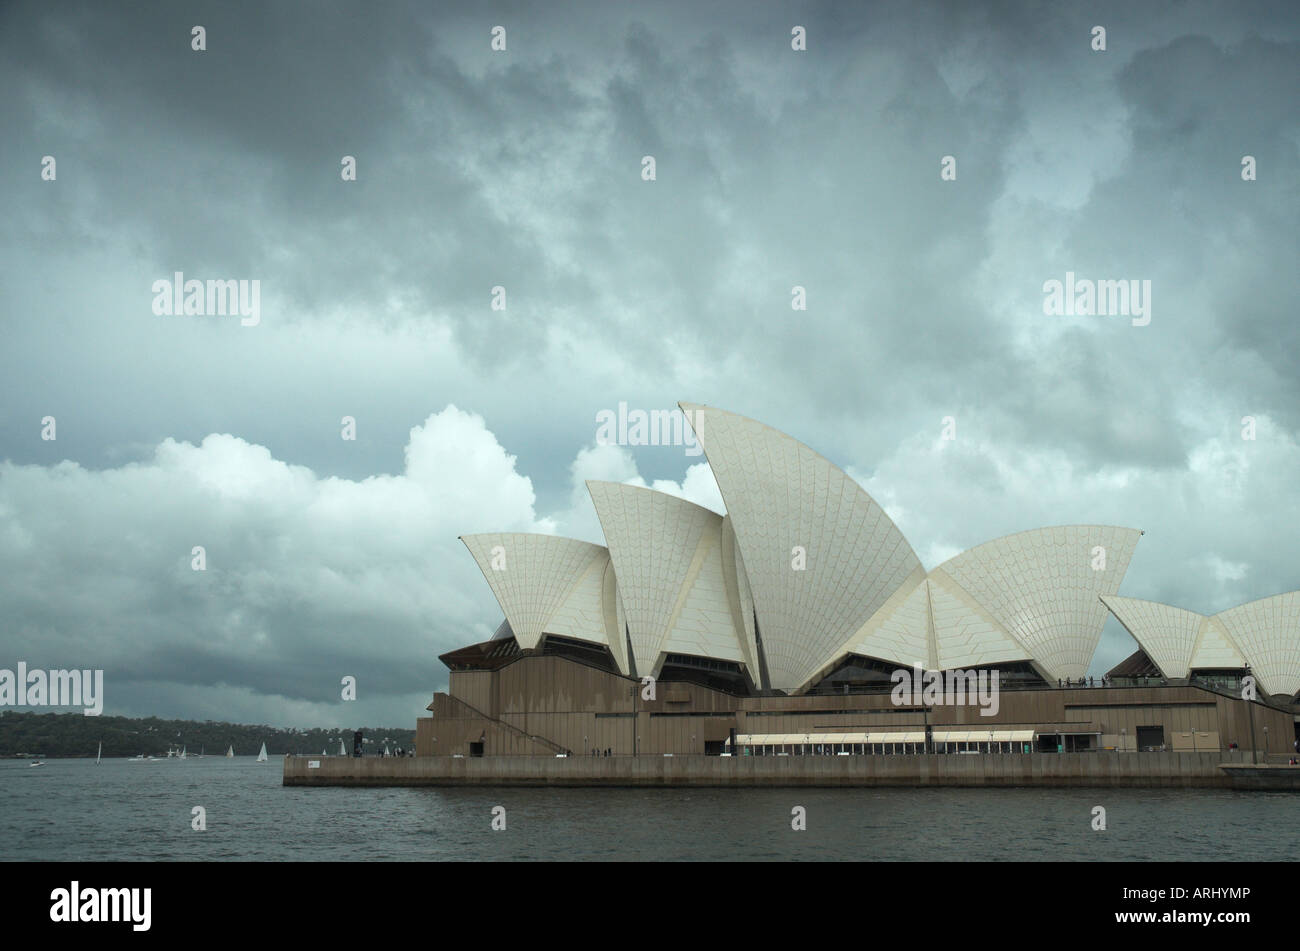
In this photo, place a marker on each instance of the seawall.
(1106, 769)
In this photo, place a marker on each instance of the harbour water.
(73, 810)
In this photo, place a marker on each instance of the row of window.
(879, 749)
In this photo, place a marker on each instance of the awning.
(910, 736)
(797, 739)
(983, 736)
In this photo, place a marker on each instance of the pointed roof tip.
(690, 411)
(591, 482)
(625, 486)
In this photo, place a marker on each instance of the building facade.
(802, 622)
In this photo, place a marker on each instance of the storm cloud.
(522, 170)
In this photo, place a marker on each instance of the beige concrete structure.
(1104, 769)
(540, 705)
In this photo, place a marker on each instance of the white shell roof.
(538, 576)
(965, 635)
(1214, 648)
(1166, 634)
(683, 579)
(581, 615)
(899, 631)
(1263, 634)
(1040, 586)
(733, 568)
(935, 625)
(780, 495)
(1268, 633)
(668, 554)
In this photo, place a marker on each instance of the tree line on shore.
(74, 734)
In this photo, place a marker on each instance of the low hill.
(74, 734)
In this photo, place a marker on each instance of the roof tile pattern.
(1041, 587)
(536, 574)
(705, 625)
(900, 631)
(1214, 648)
(737, 581)
(582, 614)
(1268, 633)
(1167, 634)
(663, 548)
(614, 621)
(780, 495)
(965, 635)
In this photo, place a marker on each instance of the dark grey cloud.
(476, 169)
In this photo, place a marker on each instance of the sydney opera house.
(782, 627)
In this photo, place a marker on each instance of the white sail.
(99, 753)
(230, 752)
(342, 750)
(183, 752)
(386, 753)
(261, 757)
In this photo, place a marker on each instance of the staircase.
(510, 727)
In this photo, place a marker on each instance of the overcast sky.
(329, 557)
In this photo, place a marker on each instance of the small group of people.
(605, 752)
(1082, 682)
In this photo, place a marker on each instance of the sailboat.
(261, 757)
(342, 750)
(386, 753)
(182, 752)
(230, 752)
(99, 753)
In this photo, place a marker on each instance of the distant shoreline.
(72, 735)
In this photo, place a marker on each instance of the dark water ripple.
(71, 810)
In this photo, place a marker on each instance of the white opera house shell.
(1262, 635)
(804, 580)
